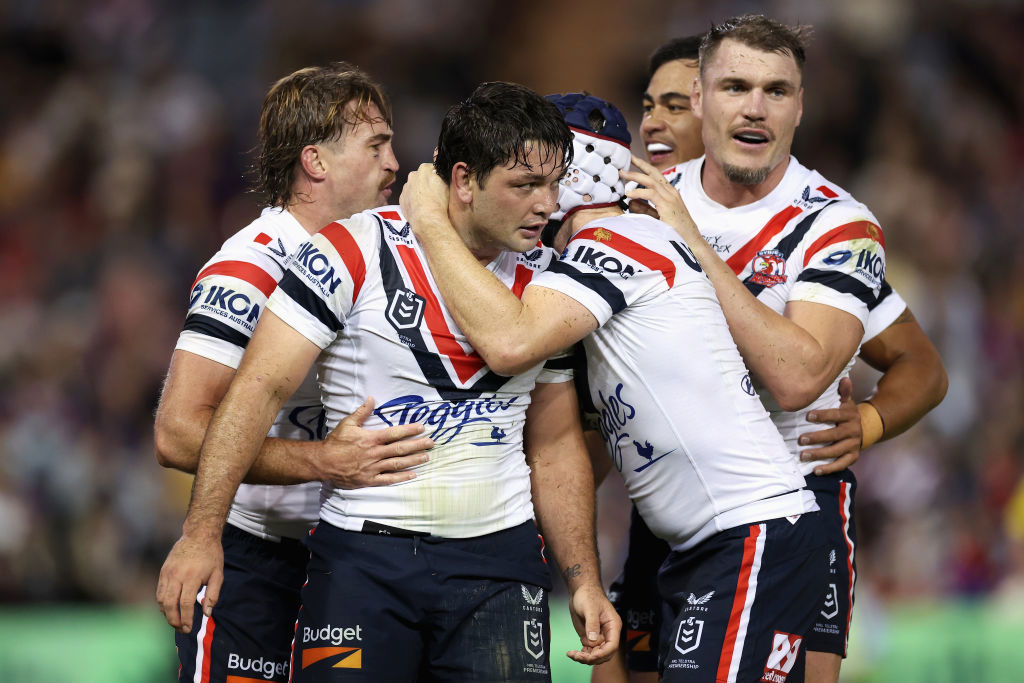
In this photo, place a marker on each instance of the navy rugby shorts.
(634, 593)
(250, 633)
(387, 605)
(835, 494)
(743, 601)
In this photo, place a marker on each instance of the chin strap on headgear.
(600, 150)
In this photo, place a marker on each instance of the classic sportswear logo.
(809, 199)
(692, 599)
(532, 599)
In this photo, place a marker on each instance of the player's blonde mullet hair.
(310, 106)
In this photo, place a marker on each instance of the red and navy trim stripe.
(786, 245)
(430, 362)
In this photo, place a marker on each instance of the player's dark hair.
(311, 106)
(686, 48)
(500, 123)
(759, 32)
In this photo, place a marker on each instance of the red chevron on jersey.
(849, 231)
(523, 277)
(262, 238)
(637, 252)
(466, 363)
(342, 241)
(738, 261)
(251, 273)
(390, 215)
(827, 191)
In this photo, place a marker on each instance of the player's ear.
(696, 98)
(800, 105)
(462, 184)
(313, 163)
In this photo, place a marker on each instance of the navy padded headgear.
(600, 150)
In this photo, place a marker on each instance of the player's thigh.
(743, 603)
(822, 667)
(491, 630)
(360, 619)
(831, 629)
(250, 632)
(612, 671)
(637, 600)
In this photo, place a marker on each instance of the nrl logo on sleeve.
(405, 309)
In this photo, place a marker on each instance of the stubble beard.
(746, 176)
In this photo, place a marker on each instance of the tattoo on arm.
(572, 572)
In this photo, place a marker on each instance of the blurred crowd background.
(125, 130)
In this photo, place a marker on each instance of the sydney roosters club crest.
(769, 268)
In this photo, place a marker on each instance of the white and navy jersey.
(679, 416)
(890, 307)
(361, 290)
(807, 240)
(227, 298)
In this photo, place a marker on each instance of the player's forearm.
(785, 359)
(232, 443)
(178, 438)
(484, 308)
(600, 463)
(285, 462)
(907, 392)
(563, 500)
(914, 379)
